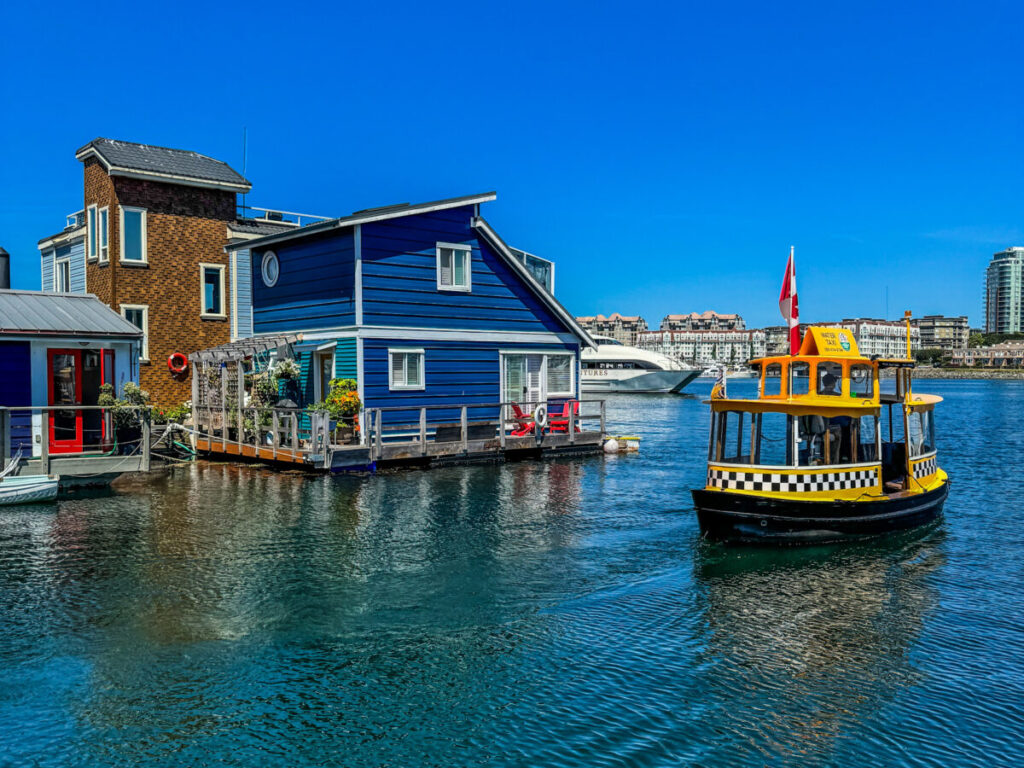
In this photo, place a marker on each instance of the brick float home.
(155, 223)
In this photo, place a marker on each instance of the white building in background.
(1004, 292)
(704, 348)
(880, 338)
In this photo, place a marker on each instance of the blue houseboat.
(447, 332)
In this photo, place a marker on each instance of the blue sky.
(664, 155)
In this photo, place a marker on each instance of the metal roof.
(366, 216)
(244, 348)
(126, 158)
(40, 313)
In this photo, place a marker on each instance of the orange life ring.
(177, 362)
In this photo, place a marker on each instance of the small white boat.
(28, 489)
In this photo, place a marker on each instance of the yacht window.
(772, 380)
(799, 378)
(830, 379)
(862, 381)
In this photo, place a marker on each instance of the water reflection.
(802, 644)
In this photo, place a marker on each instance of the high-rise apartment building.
(1004, 306)
(623, 328)
(703, 321)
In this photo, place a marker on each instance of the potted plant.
(342, 404)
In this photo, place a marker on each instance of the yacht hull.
(638, 382)
(739, 518)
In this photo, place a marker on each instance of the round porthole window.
(271, 269)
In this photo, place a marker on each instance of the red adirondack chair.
(560, 422)
(523, 420)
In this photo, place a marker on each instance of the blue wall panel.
(16, 375)
(243, 299)
(76, 251)
(345, 363)
(46, 269)
(315, 289)
(400, 279)
(455, 373)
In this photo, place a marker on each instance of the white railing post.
(378, 440)
(602, 418)
(44, 441)
(423, 431)
(572, 422)
(501, 425)
(146, 432)
(276, 426)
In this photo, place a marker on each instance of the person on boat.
(828, 385)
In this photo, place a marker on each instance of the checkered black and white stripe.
(927, 467)
(775, 482)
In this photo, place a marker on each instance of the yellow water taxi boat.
(829, 450)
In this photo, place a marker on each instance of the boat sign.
(829, 342)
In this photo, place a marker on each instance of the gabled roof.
(174, 166)
(39, 313)
(485, 231)
(365, 217)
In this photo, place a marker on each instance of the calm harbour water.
(540, 613)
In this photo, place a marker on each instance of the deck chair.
(560, 422)
(524, 421)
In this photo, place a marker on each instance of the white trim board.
(358, 288)
(405, 333)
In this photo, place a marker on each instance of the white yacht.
(614, 367)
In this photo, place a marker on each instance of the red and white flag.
(788, 305)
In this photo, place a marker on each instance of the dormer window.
(454, 267)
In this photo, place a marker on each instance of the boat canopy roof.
(829, 376)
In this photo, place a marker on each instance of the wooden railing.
(480, 421)
(277, 430)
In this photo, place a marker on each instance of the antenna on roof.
(245, 157)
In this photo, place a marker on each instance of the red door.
(65, 383)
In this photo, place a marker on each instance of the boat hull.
(747, 519)
(28, 490)
(644, 383)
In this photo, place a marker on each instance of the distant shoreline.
(968, 373)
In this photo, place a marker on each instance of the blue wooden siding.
(345, 362)
(400, 279)
(455, 373)
(243, 296)
(16, 374)
(315, 288)
(75, 253)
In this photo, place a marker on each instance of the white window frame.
(202, 292)
(269, 256)
(544, 354)
(405, 370)
(57, 264)
(103, 234)
(456, 248)
(91, 232)
(122, 209)
(571, 392)
(144, 308)
(323, 353)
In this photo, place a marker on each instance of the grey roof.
(365, 216)
(259, 226)
(40, 313)
(68, 233)
(162, 162)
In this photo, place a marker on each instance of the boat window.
(799, 378)
(862, 381)
(921, 427)
(772, 380)
(867, 448)
(773, 447)
(732, 437)
(830, 378)
(825, 441)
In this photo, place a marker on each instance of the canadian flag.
(788, 306)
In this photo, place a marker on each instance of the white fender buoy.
(611, 445)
